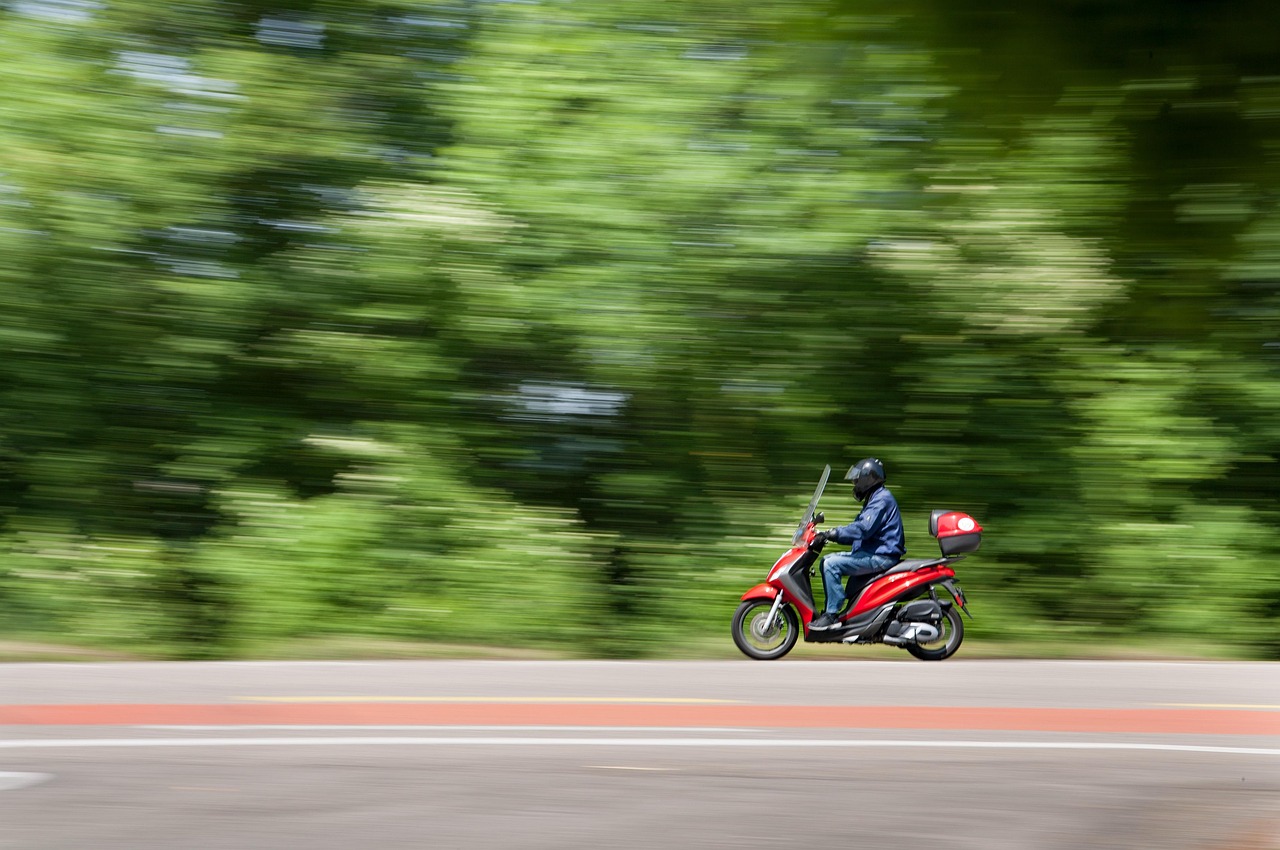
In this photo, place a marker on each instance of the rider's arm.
(854, 533)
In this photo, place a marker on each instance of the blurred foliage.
(532, 321)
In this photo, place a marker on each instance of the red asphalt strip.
(1154, 721)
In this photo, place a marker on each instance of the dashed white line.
(13, 781)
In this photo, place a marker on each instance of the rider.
(875, 537)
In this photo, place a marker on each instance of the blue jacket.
(878, 528)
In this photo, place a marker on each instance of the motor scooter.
(899, 606)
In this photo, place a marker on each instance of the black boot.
(823, 622)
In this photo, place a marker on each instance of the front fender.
(764, 590)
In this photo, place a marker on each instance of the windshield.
(813, 505)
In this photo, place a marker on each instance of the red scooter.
(899, 606)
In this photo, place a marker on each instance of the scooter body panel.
(764, 590)
(787, 561)
(888, 588)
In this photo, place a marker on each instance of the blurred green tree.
(533, 322)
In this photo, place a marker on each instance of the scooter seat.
(910, 565)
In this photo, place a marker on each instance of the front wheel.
(760, 639)
(952, 632)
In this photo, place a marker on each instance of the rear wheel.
(760, 639)
(952, 633)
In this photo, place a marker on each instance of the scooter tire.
(949, 645)
(788, 631)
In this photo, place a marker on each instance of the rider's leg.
(836, 567)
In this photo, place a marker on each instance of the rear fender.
(764, 590)
(958, 595)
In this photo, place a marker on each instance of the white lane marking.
(373, 741)
(1216, 705)
(13, 781)
(504, 700)
(630, 767)
(424, 727)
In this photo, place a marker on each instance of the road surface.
(330, 756)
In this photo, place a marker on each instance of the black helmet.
(867, 475)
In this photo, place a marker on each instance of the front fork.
(773, 612)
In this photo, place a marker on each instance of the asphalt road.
(442, 754)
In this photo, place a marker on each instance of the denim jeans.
(836, 567)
